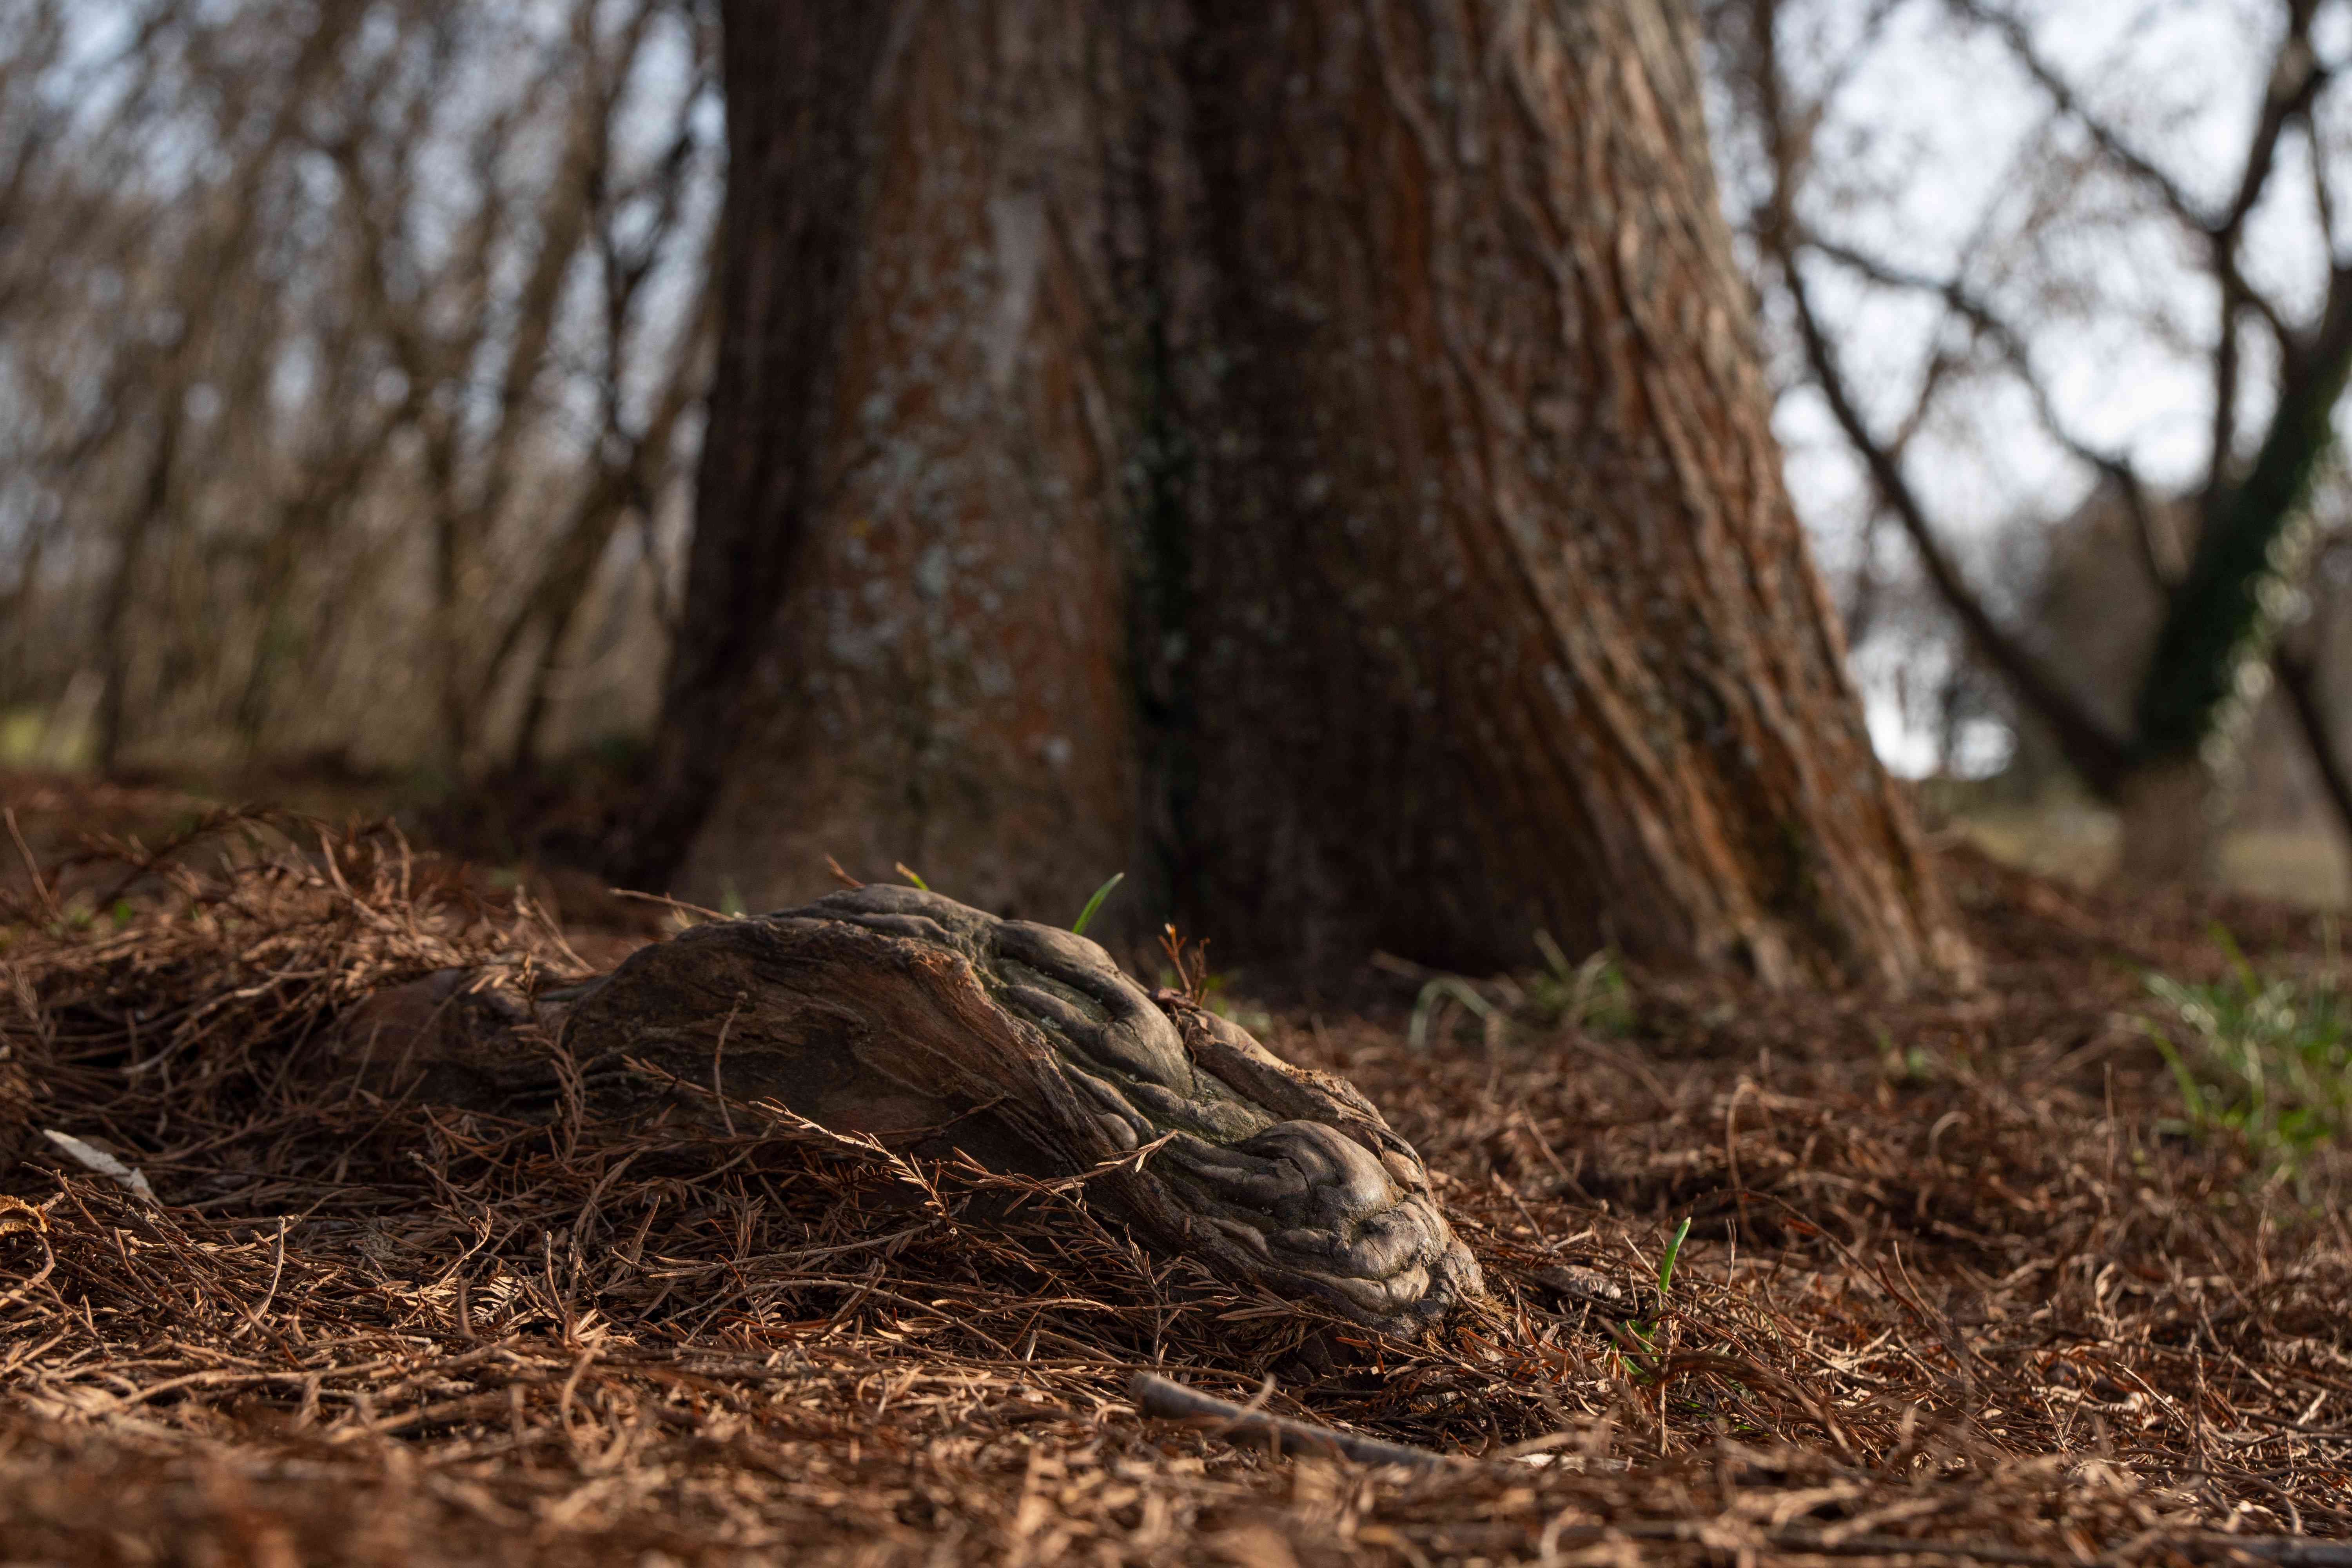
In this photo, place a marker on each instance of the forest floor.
(2053, 1272)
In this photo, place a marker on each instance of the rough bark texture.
(1311, 457)
(922, 578)
(1506, 489)
(941, 1030)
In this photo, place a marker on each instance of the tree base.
(2167, 812)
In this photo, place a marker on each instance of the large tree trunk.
(1497, 399)
(1312, 456)
(906, 623)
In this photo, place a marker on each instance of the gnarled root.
(901, 1013)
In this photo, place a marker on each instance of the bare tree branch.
(2299, 683)
(360, 281)
(2296, 79)
(2163, 571)
(2012, 32)
(2323, 199)
(2099, 756)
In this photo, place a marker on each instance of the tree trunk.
(2166, 815)
(114, 619)
(1312, 456)
(1498, 396)
(907, 591)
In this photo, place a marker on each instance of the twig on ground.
(1170, 1401)
(32, 865)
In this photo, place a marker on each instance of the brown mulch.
(1951, 1292)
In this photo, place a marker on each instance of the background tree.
(351, 422)
(1313, 455)
(2138, 204)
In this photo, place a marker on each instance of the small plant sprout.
(1191, 962)
(1086, 915)
(1905, 1065)
(1591, 995)
(1644, 1331)
(1443, 989)
(2269, 1061)
(909, 873)
(1667, 1264)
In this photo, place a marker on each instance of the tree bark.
(1498, 399)
(1313, 456)
(908, 563)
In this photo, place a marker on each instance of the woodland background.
(352, 367)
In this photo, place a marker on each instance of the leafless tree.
(2137, 205)
(351, 354)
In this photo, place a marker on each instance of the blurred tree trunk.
(1312, 456)
(117, 618)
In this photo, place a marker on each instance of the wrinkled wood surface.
(939, 1028)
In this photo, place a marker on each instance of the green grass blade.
(2191, 1097)
(2236, 954)
(1425, 1007)
(1078, 926)
(1553, 955)
(1674, 1250)
(909, 872)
